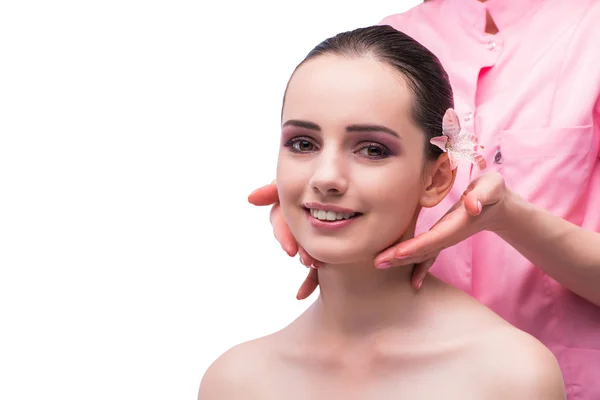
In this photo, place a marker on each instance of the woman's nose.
(329, 177)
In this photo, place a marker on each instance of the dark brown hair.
(424, 73)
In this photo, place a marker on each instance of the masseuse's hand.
(480, 208)
(267, 195)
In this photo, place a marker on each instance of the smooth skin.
(369, 334)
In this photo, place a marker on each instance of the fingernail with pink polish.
(479, 206)
(384, 265)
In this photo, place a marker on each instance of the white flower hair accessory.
(459, 144)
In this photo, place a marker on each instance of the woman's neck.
(359, 299)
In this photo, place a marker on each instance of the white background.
(131, 133)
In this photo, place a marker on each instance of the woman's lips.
(331, 224)
(328, 207)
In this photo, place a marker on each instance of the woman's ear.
(439, 179)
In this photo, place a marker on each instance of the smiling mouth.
(330, 216)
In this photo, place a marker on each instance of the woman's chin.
(337, 256)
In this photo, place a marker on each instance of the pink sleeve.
(596, 120)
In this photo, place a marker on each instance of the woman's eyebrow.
(350, 128)
(372, 128)
(302, 124)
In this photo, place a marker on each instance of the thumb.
(480, 193)
(485, 191)
(264, 195)
(474, 203)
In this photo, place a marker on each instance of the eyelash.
(384, 150)
(299, 139)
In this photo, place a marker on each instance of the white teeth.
(329, 215)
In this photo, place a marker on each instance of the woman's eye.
(301, 145)
(374, 151)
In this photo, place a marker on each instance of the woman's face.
(350, 167)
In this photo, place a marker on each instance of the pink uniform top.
(531, 94)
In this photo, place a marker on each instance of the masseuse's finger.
(305, 258)
(282, 231)
(420, 272)
(387, 259)
(453, 228)
(309, 285)
(265, 195)
(406, 261)
(308, 260)
(487, 190)
(464, 219)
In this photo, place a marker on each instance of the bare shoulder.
(237, 373)
(501, 361)
(512, 364)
